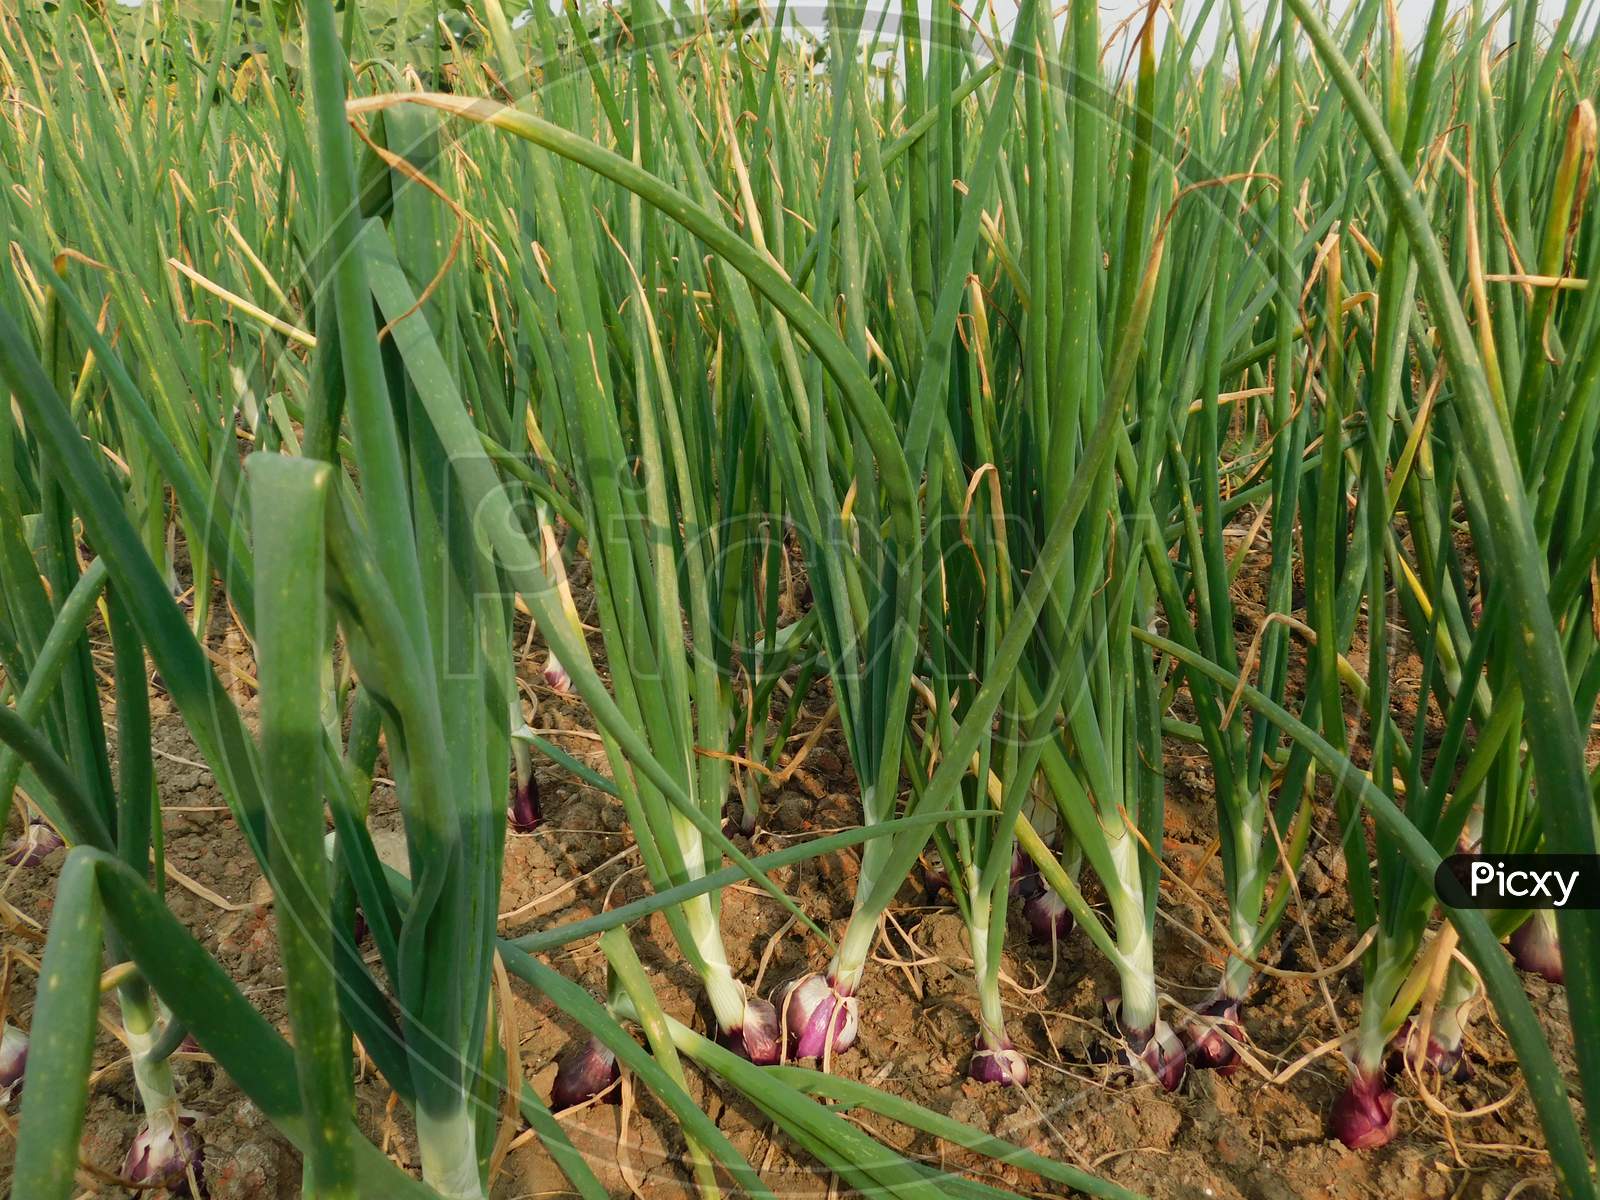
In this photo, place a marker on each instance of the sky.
(1413, 14)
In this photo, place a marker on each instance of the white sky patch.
(1128, 16)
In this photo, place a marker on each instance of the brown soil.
(1241, 1137)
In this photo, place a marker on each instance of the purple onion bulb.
(1208, 1039)
(556, 676)
(1047, 915)
(165, 1153)
(1363, 1115)
(1448, 1062)
(1535, 949)
(13, 1063)
(813, 1007)
(584, 1073)
(38, 842)
(525, 812)
(759, 1038)
(1021, 868)
(1155, 1049)
(1163, 1054)
(997, 1061)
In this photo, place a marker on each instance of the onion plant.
(1102, 765)
(1530, 647)
(970, 417)
(1261, 783)
(668, 537)
(971, 600)
(863, 580)
(51, 599)
(1492, 794)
